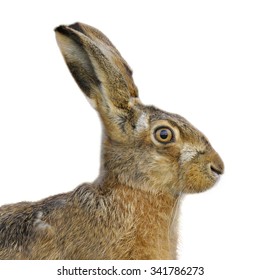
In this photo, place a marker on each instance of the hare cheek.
(187, 154)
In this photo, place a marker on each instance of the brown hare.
(149, 159)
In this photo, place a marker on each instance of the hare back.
(24, 224)
(88, 223)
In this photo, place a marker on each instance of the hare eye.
(164, 135)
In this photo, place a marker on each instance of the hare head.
(142, 146)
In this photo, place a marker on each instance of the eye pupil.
(164, 134)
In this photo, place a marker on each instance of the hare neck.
(155, 220)
(145, 200)
(150, 217)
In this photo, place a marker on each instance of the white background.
(200, 59)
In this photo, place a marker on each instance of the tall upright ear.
(98, 68)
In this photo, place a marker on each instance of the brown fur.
(131, 210)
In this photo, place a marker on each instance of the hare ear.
(98, 68)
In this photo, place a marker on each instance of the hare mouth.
(214, 173)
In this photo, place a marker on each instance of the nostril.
(216, 169)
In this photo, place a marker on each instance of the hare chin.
(200, 184)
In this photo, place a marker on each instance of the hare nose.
(217, 169)
(217, 165)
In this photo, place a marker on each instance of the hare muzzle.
(202, 173)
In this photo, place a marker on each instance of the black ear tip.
(61, 29)
(67, 29)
